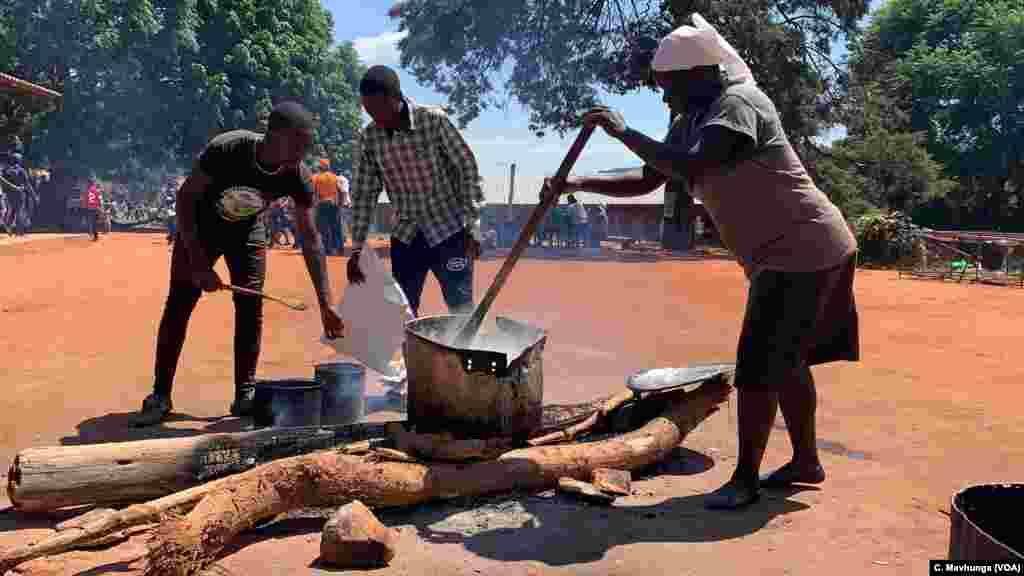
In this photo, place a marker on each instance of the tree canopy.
(147, 82)
(553, 56)
(953, 70)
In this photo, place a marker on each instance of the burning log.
(185, 545)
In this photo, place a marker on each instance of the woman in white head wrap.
(793, 243)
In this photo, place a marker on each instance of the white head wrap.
(688, 47)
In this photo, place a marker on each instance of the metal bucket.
(494, 390)
(279, 403)
(984, 523)
(343, 386)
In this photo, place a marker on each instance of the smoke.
(489, 338)
(294, 402)
(344, 392)
(280, 410)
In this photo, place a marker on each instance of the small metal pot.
(496, 390)
(343, 385)
(286, 403)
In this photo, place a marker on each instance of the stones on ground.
(584, 491)
(612, 481)
(355, 538)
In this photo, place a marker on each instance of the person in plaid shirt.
(431, 177)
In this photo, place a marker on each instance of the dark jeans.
(92, 222)
(247, 265)
(453, 270)
(328, 224)
(583, 233)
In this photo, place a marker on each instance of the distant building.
(637, 221)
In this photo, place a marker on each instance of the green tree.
(554, 55)
(897, 171)
(954, 70)
(147, 82)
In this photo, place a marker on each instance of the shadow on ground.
(681, 462)
(546, 528)
(120, 427)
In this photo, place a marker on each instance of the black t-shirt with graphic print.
(235, 207)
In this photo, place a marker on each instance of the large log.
(50, 478)
(184, 546)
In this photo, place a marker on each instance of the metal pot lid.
(658, 379)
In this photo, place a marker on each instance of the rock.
(354, 538)
(584, 491)
(612, 481)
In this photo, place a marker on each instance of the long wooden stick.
(249, 292)
(468, 331)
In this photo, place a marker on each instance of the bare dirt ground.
(934, 406)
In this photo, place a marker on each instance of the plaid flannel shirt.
(429, 173)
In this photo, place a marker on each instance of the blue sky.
(499, 137)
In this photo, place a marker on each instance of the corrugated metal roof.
(11, 84)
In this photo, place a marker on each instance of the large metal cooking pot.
(494, 389)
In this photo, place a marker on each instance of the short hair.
(380, 80)
(290, 115)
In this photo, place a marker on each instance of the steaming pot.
(494, 389)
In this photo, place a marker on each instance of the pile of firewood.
(195, 495)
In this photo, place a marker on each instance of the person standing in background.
(563, 221)
(328, 221)
(92, 203)
(581, 222)
(344, 212)
(21, 195)
(600, 225)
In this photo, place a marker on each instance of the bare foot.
(732, 496)
(792, 473)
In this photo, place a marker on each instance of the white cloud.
(380, 49)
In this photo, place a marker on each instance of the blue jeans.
(449, 263)
(583, 234)
(328, 224)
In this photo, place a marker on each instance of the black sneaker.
(155, 409)
(242, 406)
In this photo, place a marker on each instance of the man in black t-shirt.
(221, 211)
